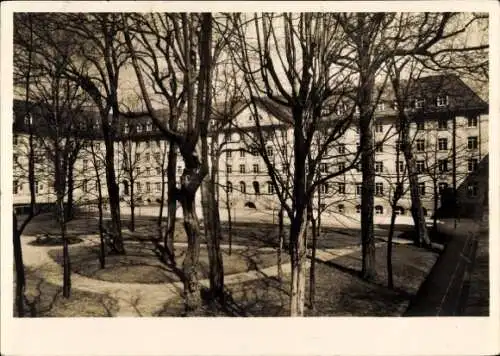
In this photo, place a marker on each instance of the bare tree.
(308, 81)
(188, 40)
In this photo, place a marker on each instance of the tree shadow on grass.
(44, 299)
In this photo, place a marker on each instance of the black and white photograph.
(217, 165)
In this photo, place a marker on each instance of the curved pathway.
(140, 299)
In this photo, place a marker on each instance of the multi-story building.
(449, 133)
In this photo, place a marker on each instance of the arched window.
(256, 187)
(125, 187)
(243, 187)
(379, 209)
(229, 187)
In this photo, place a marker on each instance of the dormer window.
(381, 106)
(27, 120)
(149, 127)
(125, 129)
(139, 128)
(442, 100)
(419, 103)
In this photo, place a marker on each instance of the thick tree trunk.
(280, 243)
(367, 198)
(212, 236)
(316, 230)
(113, 194)
(19, 267)
(102, 245)
(192, 226)
(168, 243)
(421, 233)
(298, 241)
(390, 281)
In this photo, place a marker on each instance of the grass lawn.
(46, 300)
(142, 265)
(339, 289)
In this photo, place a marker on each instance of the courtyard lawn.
(339, 289)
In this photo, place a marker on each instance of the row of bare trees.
(328, 70)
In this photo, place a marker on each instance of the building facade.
(449, 133)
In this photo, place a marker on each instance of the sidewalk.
(141, 299)
(444, 292)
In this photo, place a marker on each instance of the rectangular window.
(341, 166)
(341, 148)
(148, 187)
(158, 171)
(420, 145)
(125, 129)
(419, 103)
(256, 168)
(242, 168)
(472, 189)
(381, 106)
(270, 188)
(229, 169)
(270, 151)
(227, 137)
(97, 146)
(139, 187)
(442, 100)
(157, 156)
(139, 128)
(442, 186)
(442, 124)
(323, 168)
(148, 156)
(420, 166)
(472, 121)
(138, 171)
(400, 166)
(443, 144)
(421, 188)
(158, 186)
(149, 127)
(255, 151)
(359, 188)
(15, 187)
(443, 165)
(472, 164)
(229, 186)
(148, 171)
(399, 145)
(421, 125)
(85, 163)
(379, 147)
(379, 127)
(472, 142)
(85, 186)
(148, 144)
(323, 188)
(242, 153)
(379, 167)
(379, 189)
(179, 169)
(341, 188)
(137, 157)
(228, 154)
